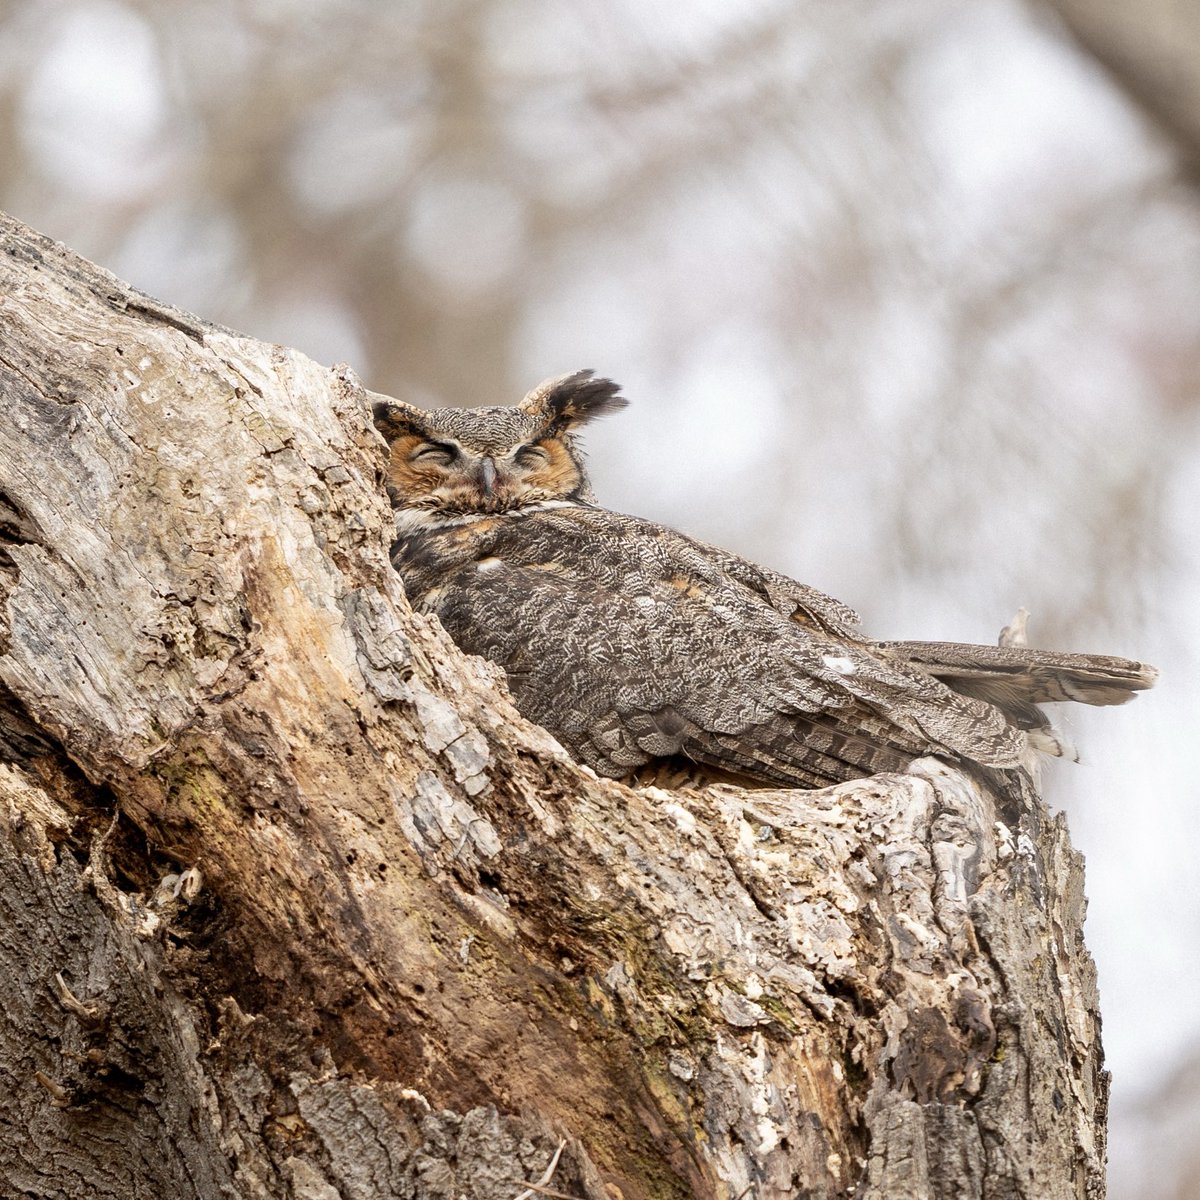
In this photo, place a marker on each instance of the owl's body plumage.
(633, 643)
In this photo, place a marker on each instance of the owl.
(639, 647)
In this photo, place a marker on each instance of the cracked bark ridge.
(293, 903)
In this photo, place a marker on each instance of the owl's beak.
(487, 475)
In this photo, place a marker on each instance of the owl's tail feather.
(1017, 679)
(1003, 674)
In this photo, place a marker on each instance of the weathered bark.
(294, 904)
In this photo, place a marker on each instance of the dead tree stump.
(293, 903)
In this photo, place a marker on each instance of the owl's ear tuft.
(395, 420)
(570, 400)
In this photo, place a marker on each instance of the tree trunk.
(294, 904)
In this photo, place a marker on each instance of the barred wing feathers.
(632, 642)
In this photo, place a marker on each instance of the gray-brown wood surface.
(293, 904)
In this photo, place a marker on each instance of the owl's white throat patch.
(414, 520)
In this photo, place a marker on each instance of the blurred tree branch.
(1152, 50)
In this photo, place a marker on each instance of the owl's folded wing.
(631, 642)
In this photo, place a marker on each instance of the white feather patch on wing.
(838, 663)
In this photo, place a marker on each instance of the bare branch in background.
(1152, 50)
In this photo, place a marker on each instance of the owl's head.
(456, 461)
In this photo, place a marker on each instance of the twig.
(59, 1096)
(547, 1175)
(90, 1014)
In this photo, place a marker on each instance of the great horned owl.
(632, 643)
